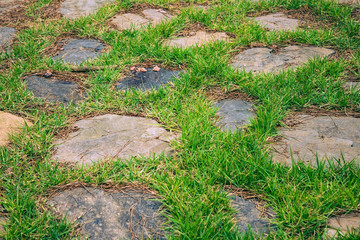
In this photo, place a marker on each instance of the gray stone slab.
(322, 136)
(196, 39)
(110, 137)
(266, 60)
(54, 90)
(77, 51)
(148, 80)
(117, 215)
(7, 35)
(341, 225)
(249, 216)
(136, 21)
(277, 21)
(234, 114)
(79, 8)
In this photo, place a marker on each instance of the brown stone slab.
(9, 125)
(197, 39)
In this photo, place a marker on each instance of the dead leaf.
(156, 69)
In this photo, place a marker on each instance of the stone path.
(234, 114)
(248, 215)
(350, 2)
(277, 21)
(266, 60)
(148, 16)
(79, 8)
(54, 90)
(324, 136)
(77, 51)
(343, 224)
(9, 125)
(197, 39)
(7, 35)
(112, 136)
(148, 80)
(8, 5)
(111, 215)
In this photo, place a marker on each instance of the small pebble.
(142, 70)
(48, 74)
(156, 69)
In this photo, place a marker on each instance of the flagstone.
(343, 224)
(197, 39)
(323, 136)
(247, 215)
(7, 35)
(350, 2)
(147, 16)
(148, 80)
(79, 8)
(277, 21)
(266, 60)
(234, 114)
(126, 214)
(110, 137)
(54, 90)
(9, 125)
(77, 51)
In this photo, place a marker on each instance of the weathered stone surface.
(343, 224)
(265, 60)
(112, 136)
(53, 89)
(350, 2)
(79, 8)
(3, 219)
(7, 5)
(321, 136)
(248, 215)
(148, 80)
(117, 215)
(351, 85)
(234, 114)
(197, 39)
(77, 51)
(149, 16)
(278, 21)
(7, 35)
(9, 125)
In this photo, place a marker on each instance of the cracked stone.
(324, 136)
(149, 16)
(197, 39)
(266, 60)
(234, 114)
(248, 215)
(278, 21)
(7, 35)
(109, 137)
(148, 80)
(127, 214)
(9, 125)
(54, 90)
(343, 224)
(79, 8)
(77, 51)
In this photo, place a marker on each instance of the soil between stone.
(148, 80)
(54, 90)
(234, 114)
(109, 137)
(77, 51)
(128, 214)
(323, 136)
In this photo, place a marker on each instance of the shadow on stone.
(148, 80)
(234, 114)
(126, 214)
(54, 90)
(77, 51)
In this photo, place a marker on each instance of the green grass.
(191, 182)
